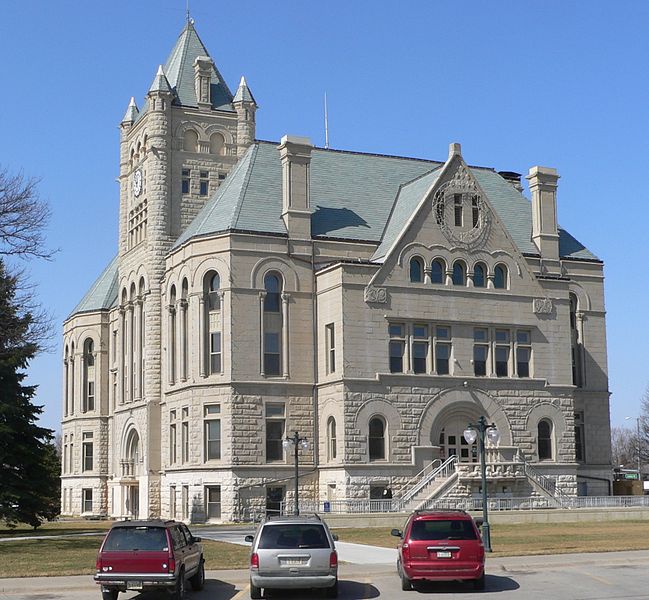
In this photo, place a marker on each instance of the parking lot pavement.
(602, 576)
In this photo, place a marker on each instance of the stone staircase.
(437, 479)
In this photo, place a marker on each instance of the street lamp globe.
(493, 435)
(470, 435)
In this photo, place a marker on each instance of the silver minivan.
(292, 553)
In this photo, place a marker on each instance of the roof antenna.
(326, 122)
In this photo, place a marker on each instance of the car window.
(451, 529)
(293, 536)
(178, 538)
(186, 532)
(128, 539)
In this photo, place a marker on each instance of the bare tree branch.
(23, 217)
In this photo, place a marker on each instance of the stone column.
(137, 350)
(121, 359)
(171, 344)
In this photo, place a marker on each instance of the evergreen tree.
(29, 483)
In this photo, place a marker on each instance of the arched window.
(545, 439)
(190, 141)
(184, 325)
(479, 273)
(213, 325)
(273, 287)
(131, 461)
(438, 271)
(416, 270)
(459, 273)
(66, 382)
(274, 358)
(376, 438)
(331, 439)
(217, 144)
(500, 277)
(141, 335)
(88, 375)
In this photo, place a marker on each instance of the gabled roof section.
(179, 69)
(221, 211)
(408, 199)
(361, 197)
(102, 294)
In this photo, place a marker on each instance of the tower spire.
(187, 14)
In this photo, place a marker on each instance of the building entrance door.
(274, 501)
(133, 501)
(452, 442)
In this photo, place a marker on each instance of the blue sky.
(558, 83)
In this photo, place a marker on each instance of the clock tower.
(174, 154)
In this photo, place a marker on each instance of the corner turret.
(245, 105)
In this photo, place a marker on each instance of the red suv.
(149, 555)
(440, 546)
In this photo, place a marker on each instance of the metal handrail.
(547, 484)
(443, 470)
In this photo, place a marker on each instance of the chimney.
(295, 156)
(203, 66)
(543, 187)
(513, 178)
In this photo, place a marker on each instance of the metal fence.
(351, 506)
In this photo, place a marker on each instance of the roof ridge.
(246, 183)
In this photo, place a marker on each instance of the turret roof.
(160, 82)
(179, 69)
(102, 295)
(132, 112)
(243, 92)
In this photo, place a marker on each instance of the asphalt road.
(619, 575)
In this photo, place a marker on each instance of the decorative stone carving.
(542, 306)
(463, 188)
(376, 295)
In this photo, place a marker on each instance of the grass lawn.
(76, 556)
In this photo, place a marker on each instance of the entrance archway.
(452, 442)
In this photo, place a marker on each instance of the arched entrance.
(130, 474)
(452, 442)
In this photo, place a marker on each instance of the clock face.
(137, 182)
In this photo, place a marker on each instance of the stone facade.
(179, 387)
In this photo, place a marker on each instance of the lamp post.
(637, 423)
(471, 433)
(297, 442)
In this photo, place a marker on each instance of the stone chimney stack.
(203, 66)
(543, 187)
(295, 156)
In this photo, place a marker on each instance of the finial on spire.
(188, 16)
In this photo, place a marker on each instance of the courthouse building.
(374, 304)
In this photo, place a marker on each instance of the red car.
(440, 545)
(149, 555)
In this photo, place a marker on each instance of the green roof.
(354, 196)
(179, 70)
(102, 294)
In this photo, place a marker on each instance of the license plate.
(290, 562)
(443, 554)
(133, 585)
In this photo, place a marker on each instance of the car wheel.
(179, 591)
(406, 584)
(332, 592)
(255, 592)
(109, 594)
(479, 583)
(198, 579)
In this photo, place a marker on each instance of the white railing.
(548, 485)
(427, 475)
(359, 506)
